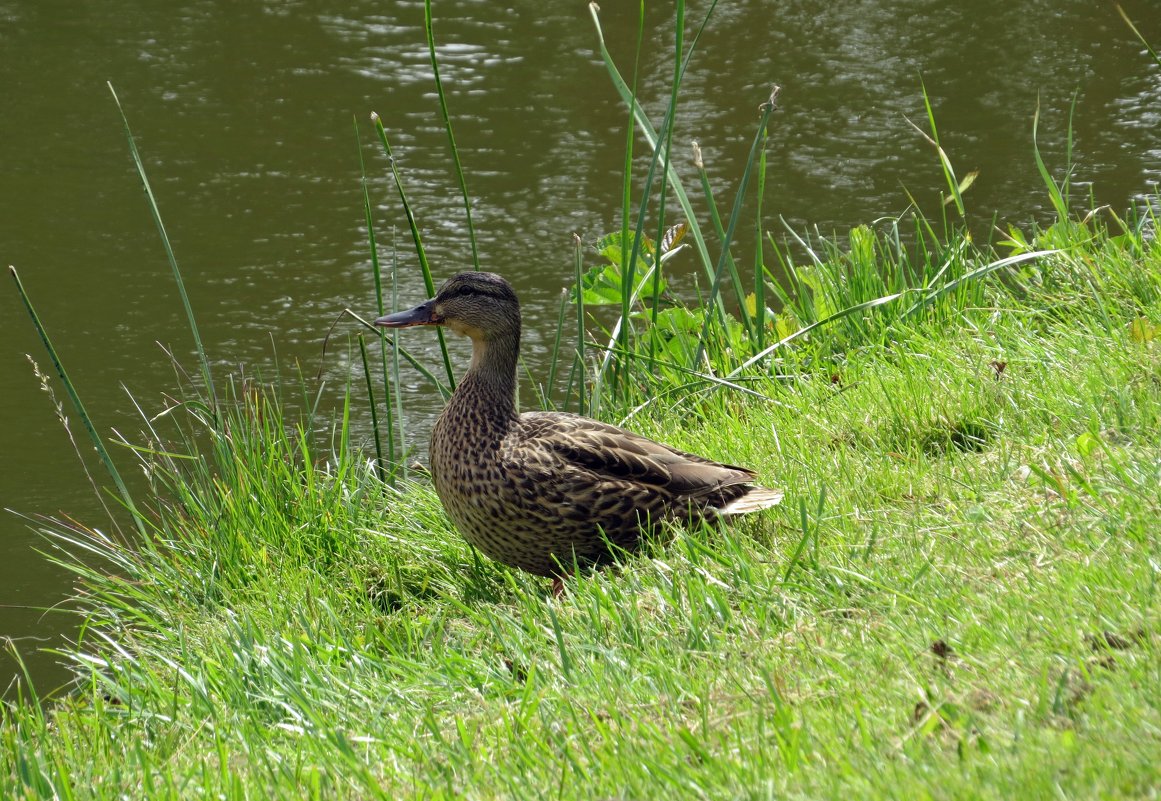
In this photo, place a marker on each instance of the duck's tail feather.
(757, 498)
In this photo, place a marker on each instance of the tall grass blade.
(580, 326)
(652, 138)
(801, 332)
(660, 153)
(424, 267)
(374, 410)
(974, 275)
(402, 463)
(809, 533)
(629, 255)
(1068, 143)
(663, 192)
(561, 647)
(716, 219)
(703, 378)
(1054, 192)
(377, 276)
(554, 361)
(343, 454)
(399, 349)
(427, 26)
(1137, 33)
(735, 214)
(759, 321)
(953, 184)
(87, 421)
(207, 376)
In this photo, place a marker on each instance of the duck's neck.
(488, 388)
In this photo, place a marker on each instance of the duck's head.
(482, 306)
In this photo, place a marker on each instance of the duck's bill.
(423, 314)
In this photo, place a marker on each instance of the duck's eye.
(460, 292)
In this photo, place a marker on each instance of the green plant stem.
(377, 276)
(373, 406)
(578, 268)
(424, 267)
(629, 255)
(758, 330)
(430, 32)
(716, 220)
(735, 214)
(75, 398)
(203, 360)
(663, 192)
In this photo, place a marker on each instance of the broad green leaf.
(602, 286)
(675, 335)
(785, 325)
(609, 247)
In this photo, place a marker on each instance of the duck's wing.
(572, 445)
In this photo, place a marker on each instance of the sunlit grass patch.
(983, 617)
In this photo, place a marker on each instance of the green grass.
(957, 599)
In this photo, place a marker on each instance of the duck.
(548, 492)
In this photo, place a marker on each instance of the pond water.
(245, 116)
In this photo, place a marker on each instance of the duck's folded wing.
(608, 452)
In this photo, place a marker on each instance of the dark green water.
(243, 112)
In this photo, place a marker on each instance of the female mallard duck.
(544, 491)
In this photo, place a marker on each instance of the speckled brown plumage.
(544, 490)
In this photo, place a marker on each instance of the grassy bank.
(958, 598)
